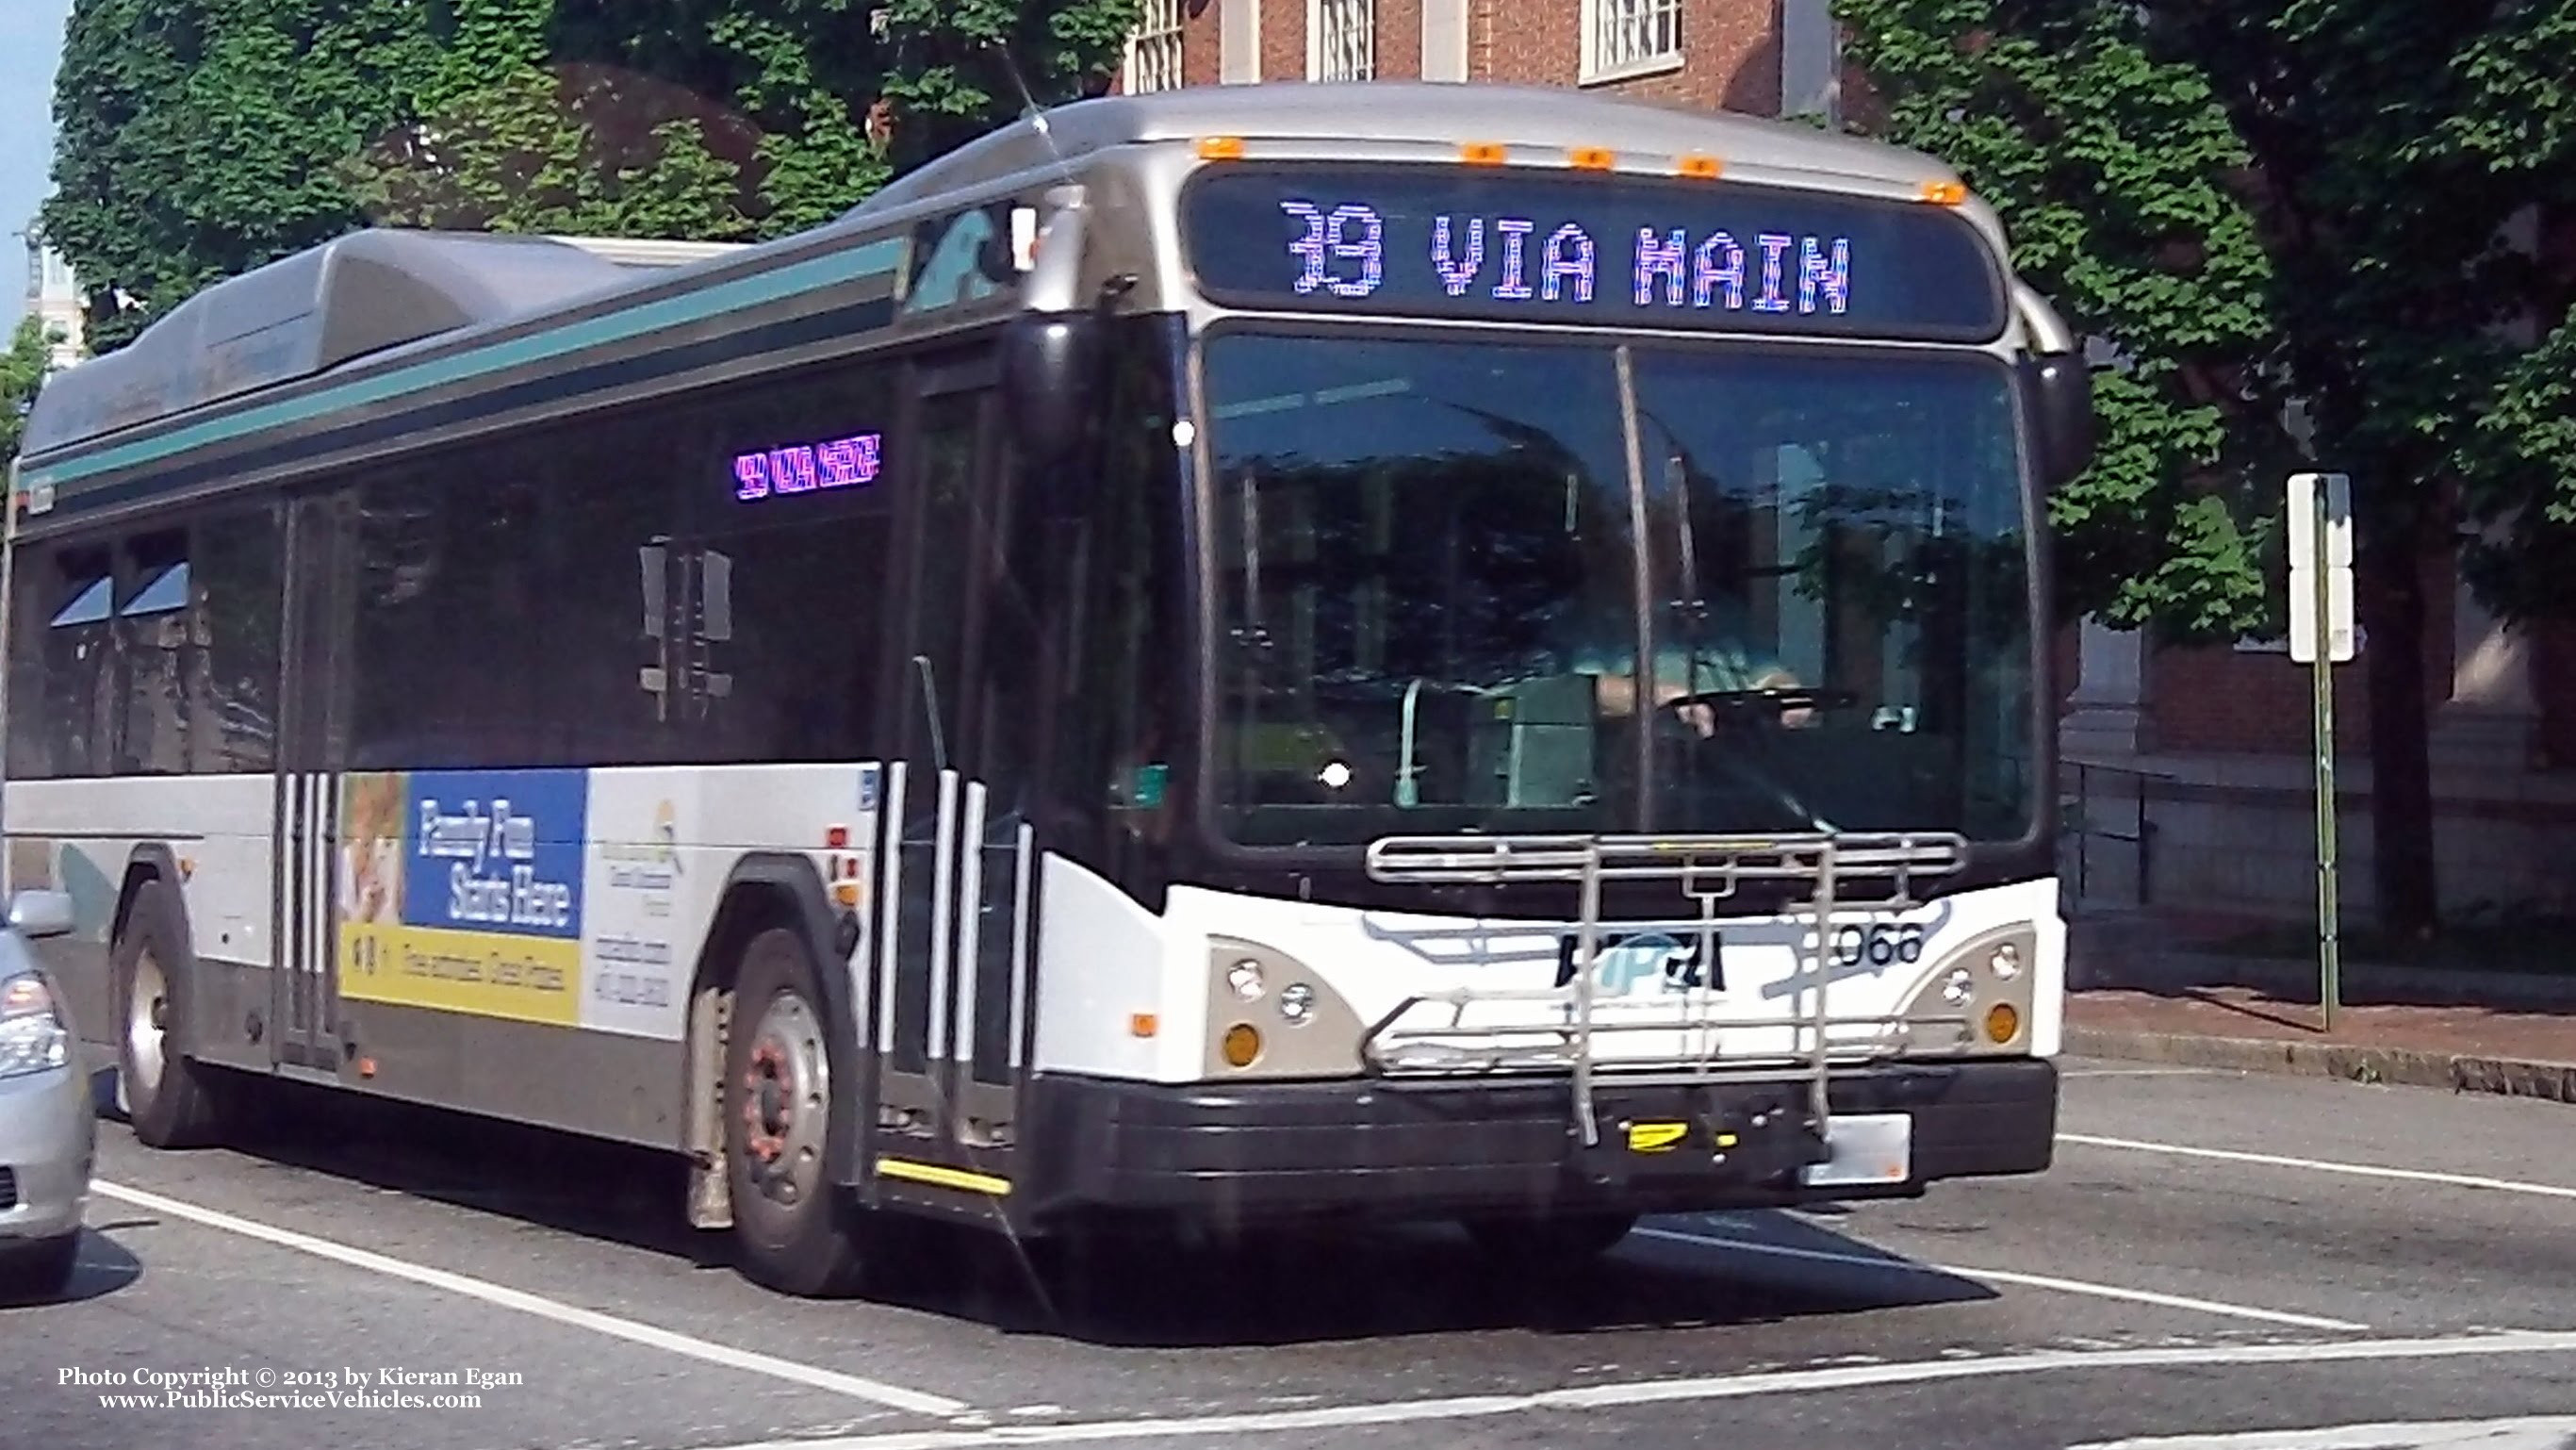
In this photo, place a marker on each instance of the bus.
(1253, 656)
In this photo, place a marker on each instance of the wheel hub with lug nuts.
(786, 1094)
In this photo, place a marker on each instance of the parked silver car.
(48, 1123)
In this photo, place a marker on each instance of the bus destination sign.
(1604, 251)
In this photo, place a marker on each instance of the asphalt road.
(2213, 1256)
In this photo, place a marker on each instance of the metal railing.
(2122, 792)
(1706, 869)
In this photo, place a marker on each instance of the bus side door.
(313, 750)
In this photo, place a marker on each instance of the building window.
(1154, 51)
(1623, 38)
(1341, 40)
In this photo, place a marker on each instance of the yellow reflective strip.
(938, 1177)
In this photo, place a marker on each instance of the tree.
(719, 120)
(2112, 173)
(2377, 156)
(201, 138)
(22, 372)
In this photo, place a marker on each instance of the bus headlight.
(1976, 998)
(1245, 978)
(1316, 1033)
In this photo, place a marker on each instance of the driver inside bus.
(1715, 658)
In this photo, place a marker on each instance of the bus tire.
(793, 1230)
(170, 1098)
(1555, 1241)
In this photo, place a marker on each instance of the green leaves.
(2261, 200)
(198, 137)
(202, 138)
(2116, 173)
(22, 372)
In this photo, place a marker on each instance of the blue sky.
(35, 42)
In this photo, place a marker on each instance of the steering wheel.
(1781, 699)
(1747, 768)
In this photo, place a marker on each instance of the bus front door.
(953, 917)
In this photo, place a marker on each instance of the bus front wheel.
(794, 1230)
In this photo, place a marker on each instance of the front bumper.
(48, 1138)
(1383, 1150)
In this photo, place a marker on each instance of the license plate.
(1865, 1148)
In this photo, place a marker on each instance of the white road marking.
(2005, 1276)
(2319, 1165)
(894, 1396)
(2535, 1433)
(1717, 1387)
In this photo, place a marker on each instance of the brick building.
(1765, 57)
(2210, 744)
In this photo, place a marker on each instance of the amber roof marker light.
(1220, 148)
(1945, 193)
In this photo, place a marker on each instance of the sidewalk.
(2468, 1031)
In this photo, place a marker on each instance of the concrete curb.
(2550, 1081)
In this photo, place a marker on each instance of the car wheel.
(168, 1097)
(793, 1228)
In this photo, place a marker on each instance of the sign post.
(2321, 637)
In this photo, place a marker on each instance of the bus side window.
(154, 612)
(235, 559)
(447, 629)
(64, 679)
(605, 693)
(781, 594)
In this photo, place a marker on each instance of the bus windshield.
(1498, 585)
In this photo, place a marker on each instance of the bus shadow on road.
(1263, 1288)
(562, 1181)
(1280, 1288)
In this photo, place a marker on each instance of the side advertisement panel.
(568, 897)
(639, 939)
(461, 891)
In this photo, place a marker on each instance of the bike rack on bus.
(1708, 869)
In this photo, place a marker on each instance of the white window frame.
(1597, 16)
(1364, 53)
(1156, 39)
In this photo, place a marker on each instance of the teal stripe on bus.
(876, 258)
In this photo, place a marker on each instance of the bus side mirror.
(2061, 394)
(1049, 363)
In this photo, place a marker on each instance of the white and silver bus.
(1255, 654)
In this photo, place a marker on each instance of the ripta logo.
(1627, 962)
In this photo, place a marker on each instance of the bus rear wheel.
(793, 1229)
(171, 1099)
